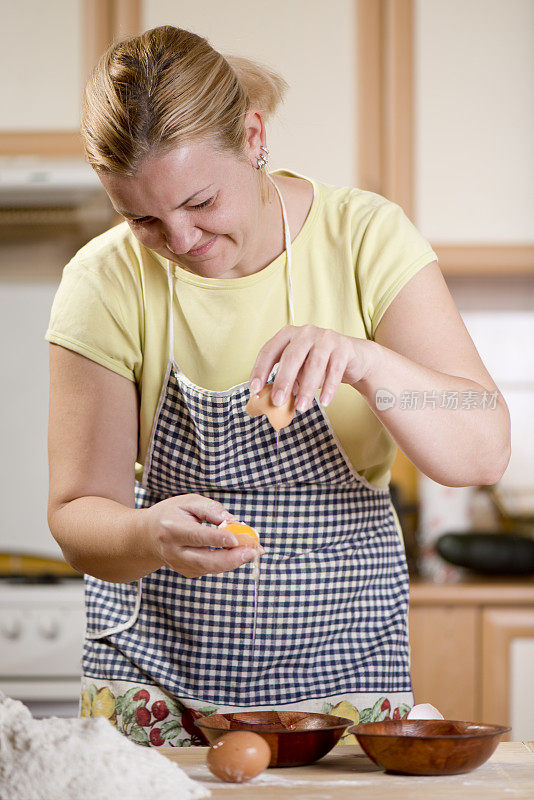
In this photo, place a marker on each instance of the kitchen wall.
(24, 413)
(30, 271)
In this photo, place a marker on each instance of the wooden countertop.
(473, 592)
(346, 769)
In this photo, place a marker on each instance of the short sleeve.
(96, 313)
(388, 251)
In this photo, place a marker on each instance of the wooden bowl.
(428, 746)
(295, 737)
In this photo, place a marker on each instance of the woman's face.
(193, 196)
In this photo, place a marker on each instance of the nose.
(181, 238)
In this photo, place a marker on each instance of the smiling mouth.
(199, 251)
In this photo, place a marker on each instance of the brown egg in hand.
(239, 756)
(262, 404)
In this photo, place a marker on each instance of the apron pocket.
(110, 607)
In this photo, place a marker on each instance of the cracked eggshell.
(262, 404)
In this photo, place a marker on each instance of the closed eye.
(206, 203)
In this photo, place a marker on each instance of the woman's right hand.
(92, 445)
(181, 542)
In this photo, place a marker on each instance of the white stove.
(42, 628)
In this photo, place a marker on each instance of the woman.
(222, 279)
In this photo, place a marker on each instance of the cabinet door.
(474, 120)
(41, 50)
(508, 669)
(444, 654)
(47, 51)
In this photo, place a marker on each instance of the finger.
(204, 562)
(181, 533)
(204, 508)
(298, 381)
(314, 369)
(267, 357)
(334, 373)
(292, 362)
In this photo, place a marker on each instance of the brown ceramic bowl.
(429, 746)
(295, 737)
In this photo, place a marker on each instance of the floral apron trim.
(151, 717)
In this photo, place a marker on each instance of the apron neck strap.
(170, 276)
(287, 241)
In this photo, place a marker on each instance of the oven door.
(41, 639)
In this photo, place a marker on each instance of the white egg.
(424, 711)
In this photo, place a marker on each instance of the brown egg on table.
(262, 404)
(238, 757)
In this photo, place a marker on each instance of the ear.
(255, 135)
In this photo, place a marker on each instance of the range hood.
(31, 182)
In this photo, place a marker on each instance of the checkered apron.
(333, 592)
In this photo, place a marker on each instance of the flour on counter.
(202, 773)
(81, 759)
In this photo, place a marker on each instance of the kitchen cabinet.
(81, 31)
(444, 659)
(446, 123)
(504, 694)
(474, 80)
(47, 73)
(45, 85)
(463, 640)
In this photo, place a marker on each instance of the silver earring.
(261, 160)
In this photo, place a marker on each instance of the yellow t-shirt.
(354, 253)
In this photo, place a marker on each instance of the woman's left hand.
(310, 358)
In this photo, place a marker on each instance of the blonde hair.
(151, 93)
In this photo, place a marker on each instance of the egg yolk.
(245, 535)
(240, 527)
